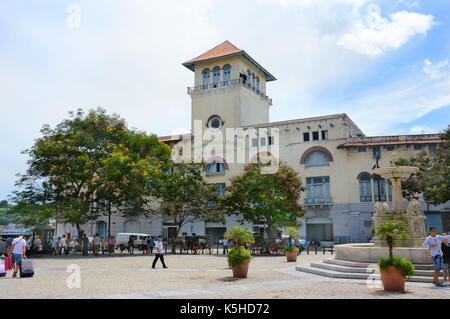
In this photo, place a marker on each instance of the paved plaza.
(189, 276)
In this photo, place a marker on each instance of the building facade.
(331, 154)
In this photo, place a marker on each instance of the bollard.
(307, 250)
(315, 249)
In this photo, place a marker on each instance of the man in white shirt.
(18, 250)
(434, 242)
(159, 253)
(225, 245)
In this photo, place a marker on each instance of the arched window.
(226, 74)
(253, 81)
(257, 84)
(216, 167)
(216, 76)
(379, 188)
(365, 189)
(317, 158)
(205, 79)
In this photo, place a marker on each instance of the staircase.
(336, 268)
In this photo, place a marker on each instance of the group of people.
(440, 253)
(33, 246)
(97, 244)
(147, 244)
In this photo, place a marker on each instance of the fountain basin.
(395, 172)
(369, 253)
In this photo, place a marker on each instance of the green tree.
(272, 199)
(391, 230)
(4, 204)
(184, 196)
(433, 178)
(70, 165)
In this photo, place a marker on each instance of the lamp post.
(377, 158)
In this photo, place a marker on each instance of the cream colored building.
(332, 155)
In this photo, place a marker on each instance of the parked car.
(122, 240)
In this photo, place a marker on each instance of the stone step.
(345, 269)
(367, 270)
(348, 275)
(365, 265)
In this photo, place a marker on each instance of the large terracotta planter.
(392, 279)
(241, 270)
(291, 256)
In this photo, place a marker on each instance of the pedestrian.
(85, 245)
(103, 245)
(3, 250)
(29, 242)
(18, 251)
(111, 245)
(144, 245)
(131, 245)
(152, 245)
(8, 245)
(37, 246)
(434, 243)
(446, 262)
(95, 244)
(159, 253)
(68, 240)
(225, 245)
(54, 244)
(147, 246)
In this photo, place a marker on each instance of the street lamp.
(377, 158)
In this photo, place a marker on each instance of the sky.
(384, 63)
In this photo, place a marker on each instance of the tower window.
(216, 76)
(257, 84)
(206, 79)
(226, 74)
(315, 136)
(324, 135)
(215, 122)
(270, 140)
(306, 137)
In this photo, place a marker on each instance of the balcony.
(224, 85)
(319, 201)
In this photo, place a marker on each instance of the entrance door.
(215, 234)
(319, 232)
(101, 229)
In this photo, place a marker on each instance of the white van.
(122, 240)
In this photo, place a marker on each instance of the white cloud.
(375, 35)
(421, 130)
(434, 70)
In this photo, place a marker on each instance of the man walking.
(446, 264)
(85, 243)
(159, 253)
(225, 245)
(18, 250)
(434, 242)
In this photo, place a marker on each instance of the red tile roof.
(224, 49)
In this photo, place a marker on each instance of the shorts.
(438, 262)
(446, 268)
(17, 259)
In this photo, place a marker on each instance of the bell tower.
(229, 88)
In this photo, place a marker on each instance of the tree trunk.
(80, 232)
(390, 245)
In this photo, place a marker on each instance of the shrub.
(289, 248)
(235, 258)
(401, 264)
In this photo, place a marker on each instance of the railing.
(230, 83)
(363, 198)
(318, 201)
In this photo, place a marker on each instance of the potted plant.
(238, 257)
(393, 269)
(289, 250)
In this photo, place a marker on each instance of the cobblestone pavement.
(188, 276)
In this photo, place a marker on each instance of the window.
(257, 84)
(216, 76)
(318, 190)
(389, 187)
(206, 79)
(324, 135)
(226, 74)
(253, 82)
(361, 149)
(376, 152)
(365, 189)
(270, 140)
(317, 158)
(262, 141)
(215, 122)
(215, 168)
(379, 188)
(255, 142)
(249, 76)
(221, 189)
(390, 148)
(417, 147)
(306, 137)
(315, 136)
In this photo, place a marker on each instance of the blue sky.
(384, 63)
